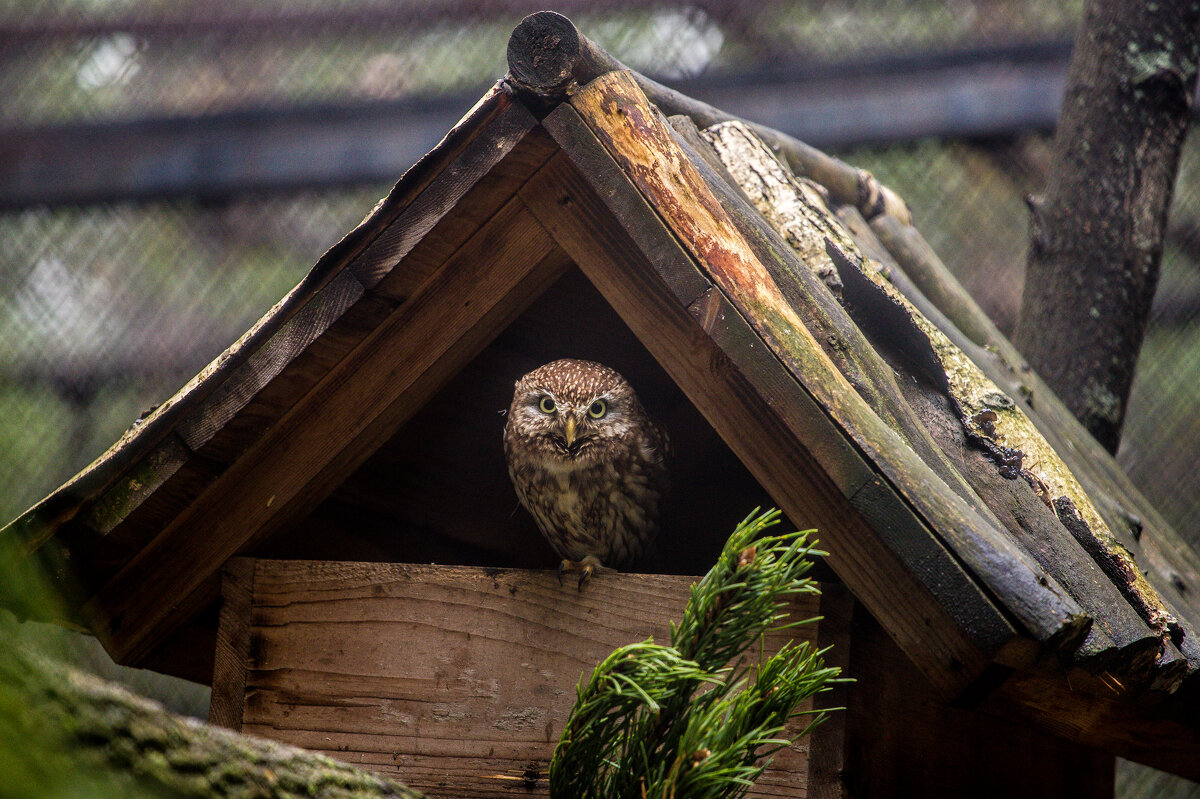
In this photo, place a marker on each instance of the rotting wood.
(455, 680)
(638, 265)
(856, 358)
(802, 218)
(324, 436)
(1169, 563)
(788, 204)
(549, 59)
(634, 133)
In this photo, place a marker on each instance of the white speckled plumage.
(592, 481)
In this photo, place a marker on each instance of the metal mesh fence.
(106, 309)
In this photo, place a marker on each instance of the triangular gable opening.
(438, 491)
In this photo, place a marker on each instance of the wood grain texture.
(231, 659)
(454, 680)
(902, 740)
(1157, 729)
(936, 395)
(474, 186)
(595, 214)
(1138, 527)
(321, 439)
(640, 141)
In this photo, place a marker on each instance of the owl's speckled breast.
(595, 510)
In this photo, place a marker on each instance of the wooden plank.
(491, 278)
(39, 523)
(1119, 639)
(231, 658)
(287, 371)
(488, 170)
(902, 740)
(240, 411)
(339, 315)
(639, 140)
(455, 680)
(1170, 564)
(594, 212)
(1156, 729)
(156, 509)
(268, 361)
(827, 749)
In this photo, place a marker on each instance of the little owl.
(587, 462)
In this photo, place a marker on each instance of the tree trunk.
(1096, 236)
(64, 733)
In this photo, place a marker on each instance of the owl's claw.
(587, 567)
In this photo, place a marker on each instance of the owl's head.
(572, 412)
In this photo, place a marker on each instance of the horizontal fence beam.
(200, 19)
(221, 155)
(981, 93)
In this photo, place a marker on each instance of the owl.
(587, 463)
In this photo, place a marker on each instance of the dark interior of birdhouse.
(438, 490)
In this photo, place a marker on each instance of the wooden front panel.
(454, 680)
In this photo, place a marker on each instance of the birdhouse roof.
(786, 294)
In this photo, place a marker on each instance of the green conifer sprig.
(687, 720)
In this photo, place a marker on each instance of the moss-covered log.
(65, 733)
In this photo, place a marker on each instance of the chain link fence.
(107, 308)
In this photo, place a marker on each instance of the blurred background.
(168, 170)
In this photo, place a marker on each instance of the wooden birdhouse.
(321, 525)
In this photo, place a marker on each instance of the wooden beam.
(221, 156)
(136, 449)
(320, 440)
(455, 680)
(1156, 729)
(231, 656)
(704, 344)
(637, 138)
(995, 92)
(903, 740)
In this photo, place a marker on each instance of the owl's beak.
(569, 430)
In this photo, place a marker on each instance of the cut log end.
(543, 53)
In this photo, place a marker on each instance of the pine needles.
(687, 720)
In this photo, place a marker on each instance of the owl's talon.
(564, 566)
(585, 574)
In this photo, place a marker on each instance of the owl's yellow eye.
(547, 405)
(597, 409)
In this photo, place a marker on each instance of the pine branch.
(686, 719)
